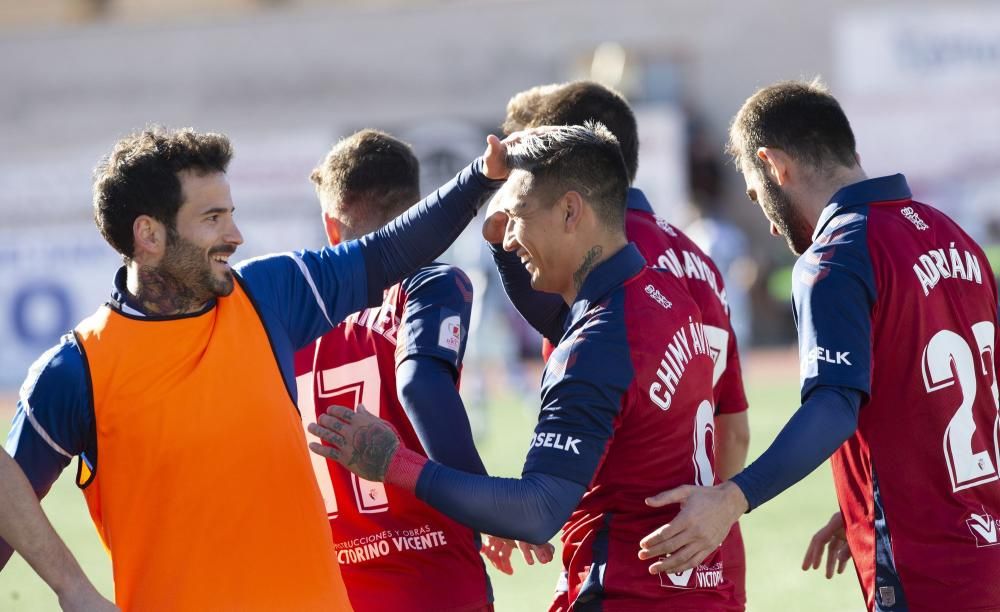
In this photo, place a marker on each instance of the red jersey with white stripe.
(395, 551)
(895, 300)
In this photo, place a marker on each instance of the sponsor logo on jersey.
(663, 225)
(914, 218)
(701, 577)
(984, 528)
(937, 264)
(658, 297)
(888, 596)
(450, 336)
(557, 441)
(832, 357)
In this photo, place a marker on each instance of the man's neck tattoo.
(161, 293)
(589, 261)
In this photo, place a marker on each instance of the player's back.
(919, 482)
(395, 551)
(665, 246)
(662, 439)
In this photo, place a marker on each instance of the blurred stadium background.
(286, 78)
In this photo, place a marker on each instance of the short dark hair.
(582, 158)
(369, 176)
(801, 118)
(574, 103)
(140, 177)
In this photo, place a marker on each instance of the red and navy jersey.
(895, 300)
(395, 551)
(627, 412)
(665, 246)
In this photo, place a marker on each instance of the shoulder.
(438, 282)
(58, 376)
(840, 249)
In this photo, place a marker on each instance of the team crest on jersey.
(701, 577)
(450, 334)
(984, 528)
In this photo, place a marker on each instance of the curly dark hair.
(799, 117)
(575, 103)
(140, 177)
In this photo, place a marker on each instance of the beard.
(786, 217)
(191, 267)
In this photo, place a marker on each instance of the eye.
(212, 218)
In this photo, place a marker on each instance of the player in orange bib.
(145, 391)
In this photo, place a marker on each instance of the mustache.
(222, 250)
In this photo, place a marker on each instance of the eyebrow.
(218, 210)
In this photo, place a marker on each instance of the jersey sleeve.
(54, 421)
(309, 292)
(436, 315)
(833, 296)
(585, 381)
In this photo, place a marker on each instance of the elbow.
(540, 533)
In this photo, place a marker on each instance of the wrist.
(735, 498)
(405, 468)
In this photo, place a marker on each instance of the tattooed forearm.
(374, 446)
(589, 261)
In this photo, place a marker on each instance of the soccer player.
(897, 315)
(24, 526)
(149, 390)
(623, 410)
(402, 358)
(663, 246)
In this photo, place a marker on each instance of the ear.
(150, 239)
(777, 164)
(332, 228)
(571, 207)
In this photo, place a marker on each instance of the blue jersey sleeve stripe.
(312, 286)
(44, 435)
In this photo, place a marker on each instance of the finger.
(525, 549)
(673, 496)
(330, 452)
(341, 412)
(810, 561)
(545, 553)
(687, 557)
(327, 435)
(671, 539)
(831, 558)
(844, 555)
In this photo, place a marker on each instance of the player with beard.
(896, 308)
(147, 390)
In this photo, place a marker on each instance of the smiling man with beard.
(896, 309)
(148, 390)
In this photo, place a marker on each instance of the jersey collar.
(636, 200)
(608, 275)
(125, 304)
(880, 189)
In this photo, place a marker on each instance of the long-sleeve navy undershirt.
(427, 391)
(531, 508)
(424, 231)
(828, 417)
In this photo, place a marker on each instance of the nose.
(233, 235)
(509, 241)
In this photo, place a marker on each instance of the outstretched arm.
(24, 526)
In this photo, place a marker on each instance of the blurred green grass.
(776, 535)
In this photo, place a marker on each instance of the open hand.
(834, 540)
(357, 440)
(498, 550)
(706, 516)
